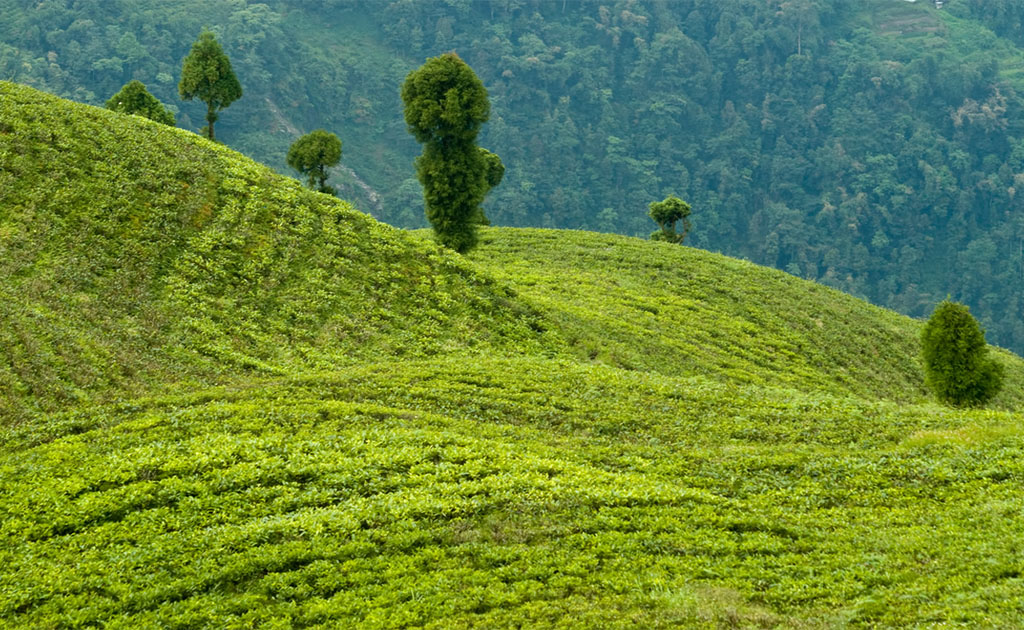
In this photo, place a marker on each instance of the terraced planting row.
(675, 310)
(454, 494)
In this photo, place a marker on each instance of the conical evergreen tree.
(134, 98)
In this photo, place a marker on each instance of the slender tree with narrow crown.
(445, 106)
(206, 74)
(134, 98)
(957, 367)
(313, 154)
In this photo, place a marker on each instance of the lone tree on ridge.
(445, 105)
(957, 367)
(206, 74)
(666, 213)
(134, 98)
(313, 154)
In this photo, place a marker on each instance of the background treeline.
(876, 146)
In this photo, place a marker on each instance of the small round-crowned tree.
(957, 367)
(312, 155)
(134, 98)
(666, 213)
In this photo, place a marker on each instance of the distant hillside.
(876, 146)
(136, 256)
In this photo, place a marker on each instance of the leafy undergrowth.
(134, 255)
(512, 493)
(642, 305)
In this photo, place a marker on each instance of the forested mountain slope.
(871, 145)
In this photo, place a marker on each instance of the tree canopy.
(206, 74)
(956, 362)
(133, 98)
(314, 153)
(445, 105)
(666, 214)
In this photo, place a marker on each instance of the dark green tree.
(135, 99)
(495, 172)
(445, 105)
(957, 367)
(313, 154)
(495, 168)
(666, 213)
(206, 74)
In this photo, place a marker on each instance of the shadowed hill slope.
(133, 254)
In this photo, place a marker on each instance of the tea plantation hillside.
(508, 493)
(134, 255)
(227, 402)
(653, 306)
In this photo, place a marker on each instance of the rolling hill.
(228, 402)
(135, 256)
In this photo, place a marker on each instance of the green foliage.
(136, 258)
(135, 99)
(206, 74)
(445, 105)
(314, 153)
(645, 306)
(512, 493)
(445, 102)
(495, 169)
(957, 367)
(666, 214)
(227, 401)
(495, 172)
(861, 143)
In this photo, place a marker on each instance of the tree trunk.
(211, 117)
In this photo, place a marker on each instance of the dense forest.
(875, 146)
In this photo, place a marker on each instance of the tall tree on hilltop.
(134, 98)
(957, 367)
(206, 74)
(313, 154)
(445, 105)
